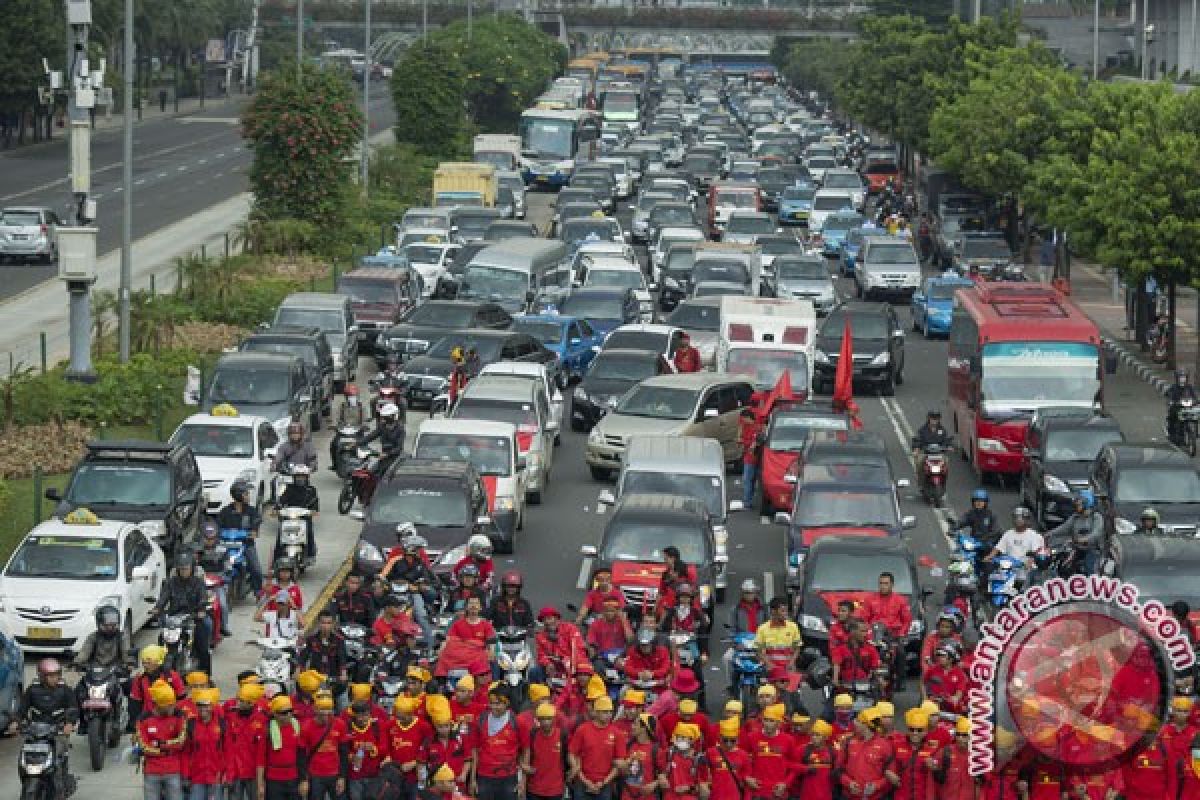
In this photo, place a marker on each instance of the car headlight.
(992, 446)
(1056, 485)
(882, 359)
(369, 553)
(579, 394)
(154, 528)
(720, 537)
(504, 504)
(811, 623)
(596, 436)
(1124, 526)
(820, 357)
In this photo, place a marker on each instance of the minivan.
(269, 385)
(379, 298)
(511, 272)
(334, 315)
(689, 466)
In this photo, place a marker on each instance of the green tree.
(301, 131)
(936, 13)
(32, 30)
(427, 92)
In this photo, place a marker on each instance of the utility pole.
(366, 134)
(77, 243)
(127, 194)
(299, 39)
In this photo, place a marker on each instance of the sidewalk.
(1091, 289)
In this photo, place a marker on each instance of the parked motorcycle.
(360, 483)
(293, 536)
(514, 656)
(176, 635)
(276, 663)
(41, 764)
(102, 711)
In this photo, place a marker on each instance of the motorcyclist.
(931, 433)
(1179, 391)
(296, 450)
(647, 661)
(981, 520)
(687, 357)
(685, 617)
(854, 661)
(390, 433)
(1083, 530)
(459, 376)
(468, 587)
(107, 646)
(240, 515)
(354, 603)
(1148, 523)
(509, 607)
(1020, 542)
(49, 700)
(893, 611)
(411, 566)
(300, 493)
(391, 377)
(560, 646)
(211, 558)
(184, 593)
(479, 555)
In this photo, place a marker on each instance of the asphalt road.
(547, 551)
(182, 165)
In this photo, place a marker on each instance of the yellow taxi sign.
(224, 410)
(433, 238)
(81, 516)
(597, 213)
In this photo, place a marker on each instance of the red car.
(788, 431)
(879, 172)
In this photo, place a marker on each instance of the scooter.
(176, 635)
(276, 664)
(889, 655)
(102, 711)
(1001, 583)
(237, 572)
(385, 395)
(934, 474)
(360, 483)
(293, 536)
(350, 413)
(749, 672)
(614, 676)
(345, 449)
(1183, 433)
(42, 765)
(687, 654)
(513, 657)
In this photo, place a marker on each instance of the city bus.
(1015, 348)
(553, 140)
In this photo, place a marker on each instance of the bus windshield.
(548, 137)
(1024, 376)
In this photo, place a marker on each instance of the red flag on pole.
(781, 392)
(843, 379)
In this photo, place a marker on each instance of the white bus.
(553, 140)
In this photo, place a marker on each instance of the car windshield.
(518, 414)
(590, 306)
(750, 224)
(666, 216)
(623, 367)
(544, 332)
(1164, 580)
(778, 247)
(221, 441)
(1078, 445)
(831, 202)
(487, 348)
(836, 507)
(250, 386)
(764, 366)
(367, 291)
(599, 230)
(493, 283)
(65, 558)
(715, 270)
(985, 248)
(801, 270)
(439, 315)
(945, 291)
(702, 487)
(305, 352)
(490, 455)
(792, 432)
(841, 180)
(548, 137)
(797, 193)
(20, 219)
(649, 201)
(615, 278)
(1158, 486)
(424, 254)
(898, 253)
(419, 506)
(704, 164)
(326, 320)
(644, 540)
(882, 168)
(737, 199)
(125, 484)
(637, 340)
(835, 223)
(1022, 376)
(423, 219)
(822, 162)
(848, 572)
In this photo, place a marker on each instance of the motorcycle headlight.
(369, 553)
(916, 628)
(1054, 484)
(453, 555)
(522, 660)
(811, 623)
(504, 661)
(821, 357)
(880, 360)
(1124, 526)
(171, 635)
(992, 446)
(505, 504)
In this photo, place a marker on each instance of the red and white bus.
(1015, 348)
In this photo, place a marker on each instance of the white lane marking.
(139, 182)
(118, 189)
(162, 174)
(585, 570)
(768, 585)
(904, 433)
(219, 155)
(202, 161)
(180, 169)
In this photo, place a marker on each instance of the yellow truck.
(464, 184)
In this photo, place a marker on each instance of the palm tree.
(104, 306)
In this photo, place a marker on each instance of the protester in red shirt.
(815, 764)
(749, 436)
(945, 683)
(393, 625)
(602, 589)
(162, 735)
(686, 774)
(466, 704)
(1178, 733)
(728, 763)
(688, 713)
(203, 757)
(472, 639)
(647, 660)
(366, 747)
(645, 760)
(245, 724)
(839, 632)
(952, 773)
(281, 757)
(560, 647)
(407, 738)
(498, 749)
(324, 740)
(608, 632)
(894, 611)
(687, 357)
(772, 756)
(915, 759)
(854, 661)
(544, 757)
(866, 758)
(1004, 782)
(1182, 781)
(452, 742)
(595, 752)
(945, 633)
(151, 658)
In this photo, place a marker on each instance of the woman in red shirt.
(645, 760)
(470, 641)
(686, 775)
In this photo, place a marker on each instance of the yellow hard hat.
(405, 704)
(603, 703)
(916, 718)
(538, 692)
(886, 709)
(153, 653)
(688, 706)
(280, 702)
(734, 707)
(444, 774)
(195, 679)
(309, 681)
(776, 712)
(360, 692)
(546, 711)
(730, 728)
(843, 701)
(251, 692)
(688, 729)
(596, 688)
(206, 697)
(161, 694)
(323, 703)
(869, 715)
(929, 707)
(633, 697)
(466, 683)
(822, 728)
(1181, 704)
(962, 725)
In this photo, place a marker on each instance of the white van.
(763, 336)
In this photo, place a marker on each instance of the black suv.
(1059, 453)
(446, 500)
(1131, 476)
(878, 341)
(429, 322)
(307, 344)
(155, 484)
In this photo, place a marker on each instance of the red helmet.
(512, 578)
(48, 666)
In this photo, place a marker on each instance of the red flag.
(843, 379)
(781, 392)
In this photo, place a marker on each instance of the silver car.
(29, 234)
(806, 276)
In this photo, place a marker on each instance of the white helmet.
(405, 530)
(749, 585)
(389, 410)
(479, 545)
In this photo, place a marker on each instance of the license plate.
(36, 632)
(543, 178)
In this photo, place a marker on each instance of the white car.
(661, 339)
(422, 235)
(827, 202)
(432, 261)
(849, 181)
(587, 250)
(230, 447)
(533, 371)
(64, 569)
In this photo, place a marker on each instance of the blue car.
(848, 251)
(933, 305)
(572, 338)
(835, 228)
(795, 204)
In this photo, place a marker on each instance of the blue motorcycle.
(749, 672)
(237, 572)
(1002, 582)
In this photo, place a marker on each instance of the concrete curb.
(326, 595)
(1143, 370)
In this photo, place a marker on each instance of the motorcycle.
(608, 666)
(1002, 583)
(176, 635)
(1184, 432)
(350, 413)
(360, 483)
(1158, 339)
(890, 657)
(385, 394)
(102, 710)
(749, 672)
(276, 664)
(687, 655)
(934, 474)
(237, 572)
(293, 536)
(513, 656)
(962, 580)
(41, 764)
(359, 667)
(345, 449)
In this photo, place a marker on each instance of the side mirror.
(358, 515)
(140, 573)
(53, 494)
(737, 505)
(589, 550)
(607, 498)
(908, 523)
(783, 518)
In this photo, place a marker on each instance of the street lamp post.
(123, 291)
(1146, 32)
(366, 150)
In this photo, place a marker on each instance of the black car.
(432, 320)
(428, 374)
(1164, 568)
(1060, 451)
(847, 568)
(878, 342)
(274, 386)
(604, 309)
(1130, 476)
(310, 346)
(609, 376)
(446, 500)
(845, 448)
(772, 181)
(155, 484)
(503, 229)
(670, 215)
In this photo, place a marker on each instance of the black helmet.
(108, 619)
(285, 563)
(934, 413)
(185, 560)
(239, 490)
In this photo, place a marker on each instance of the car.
(667, 215)
(578, 230)
(604, 309)
(833, 228)
(1059, 453)
(635, 534)
(446, 500)
(788, 431)
(838, 569)
(662, 339)
(982, 252)
(275, 386)
(887, 266)
(877, 341)
(470, 223)
(432, 262)
(665, 241)
(541, 376)
(492, 449)
(503, 229)
(429, 373)
(524, 403)
(795, 205)
(570, 338)
(1130, 476)
(607, 272)
(933, 304)
(851, 247)
(228, 448)
(806, 276)
(701, 319)
(609, 376)
(156, 485)
(429, 322)
(772, 246)
(744, 227)
(333, 314)
(65, 568)
(381, 296)
(645, 203)
(846, 180)
(695, 404)
(1164, 568)
(307, 344)
(29, 233)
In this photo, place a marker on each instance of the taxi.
(229, 447)
(64, 569)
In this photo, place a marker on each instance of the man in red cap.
(560, 647)
(609, 632)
